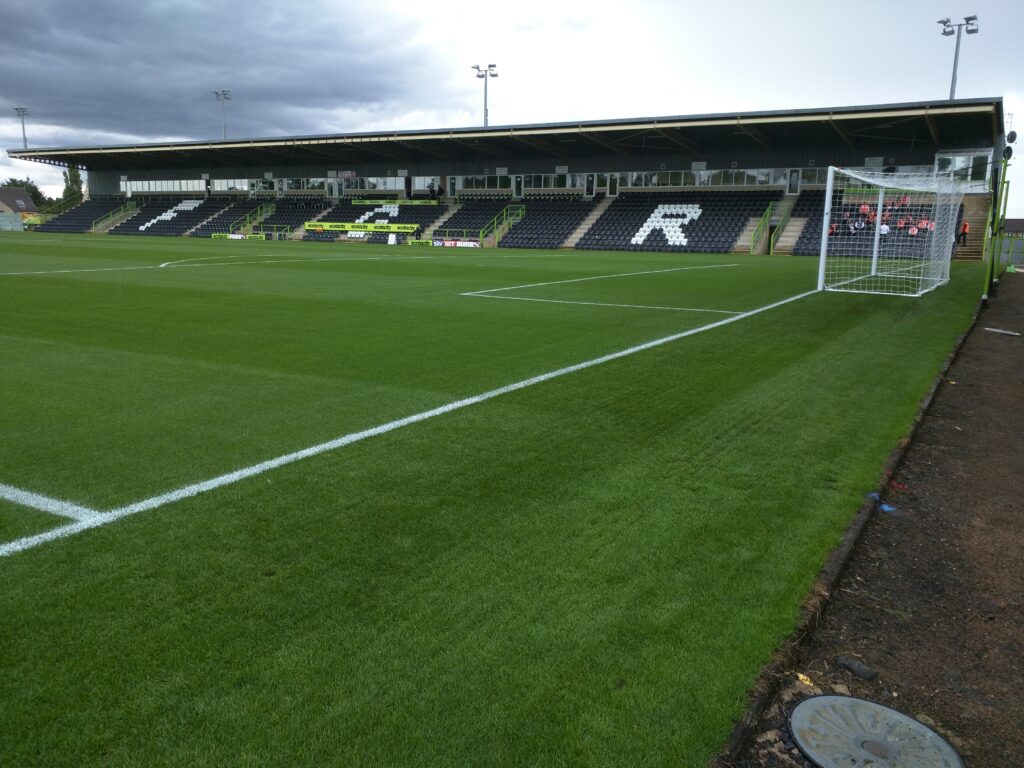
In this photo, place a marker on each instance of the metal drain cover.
(847, 732)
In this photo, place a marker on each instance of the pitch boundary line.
(230, 478)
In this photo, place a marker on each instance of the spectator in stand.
(865, 208)
(961, 239)
(883, 229)
(432, 191)
(912, 231)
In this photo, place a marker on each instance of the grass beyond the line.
(590, 571)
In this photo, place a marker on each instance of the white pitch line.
(598, 277)
(70, 271)
(600, 304)
(238, 475)
(42, 503)
(175, 265)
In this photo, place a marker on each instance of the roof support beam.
(842, 132)
(932, 128)
(678, 139)
(427, 148)
(755, 134)
(366, 146)
(480, 147)
(541, 144)
(603, 142)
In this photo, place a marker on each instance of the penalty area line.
(244, 473)
(598, 277)
(601, 304)
(37, 501)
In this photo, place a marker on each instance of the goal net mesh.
(888, 233)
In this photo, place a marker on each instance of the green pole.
(988, 251)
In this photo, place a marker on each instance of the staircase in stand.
(743, 242)
(587, 223)
(976, 211)
(428, 233)
(787, 240)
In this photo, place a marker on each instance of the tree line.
(71, 195)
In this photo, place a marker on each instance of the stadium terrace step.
(588, 222)
(791, 233)
(745, 240)
(442, 222)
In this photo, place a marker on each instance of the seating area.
(852, 227)
(473, 216)
(548, 222)
(169, 219)
(691, 221)
(292, 213)
(81, 217)
(221, 223)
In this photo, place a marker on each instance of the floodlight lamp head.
(947, 32)
(491, 66)
(944, 21)
(971, 30)
(970, 19)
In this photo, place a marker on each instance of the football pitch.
(304, 504)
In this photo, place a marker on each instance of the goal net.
(888, 233)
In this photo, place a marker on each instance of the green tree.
(72, 183)
(41, 200)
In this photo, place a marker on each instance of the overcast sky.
(100, 71)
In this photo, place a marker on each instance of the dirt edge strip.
(770, 681)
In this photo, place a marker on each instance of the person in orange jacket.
(964, 229)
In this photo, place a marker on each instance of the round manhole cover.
(846, 732)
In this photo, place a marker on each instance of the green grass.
(589, 571)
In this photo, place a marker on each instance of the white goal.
(888, 233)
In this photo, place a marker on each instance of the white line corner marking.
(87, 518)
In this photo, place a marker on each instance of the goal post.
(887, 233)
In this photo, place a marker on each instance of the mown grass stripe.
(238, 475)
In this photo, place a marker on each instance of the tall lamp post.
(484, 74)
(222, 96)
(22, 111)
(968, 25)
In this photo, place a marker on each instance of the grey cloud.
(148, 69)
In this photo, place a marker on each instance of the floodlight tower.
(222, 96)
(969, 25)
(22, 111)
(484, 74)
